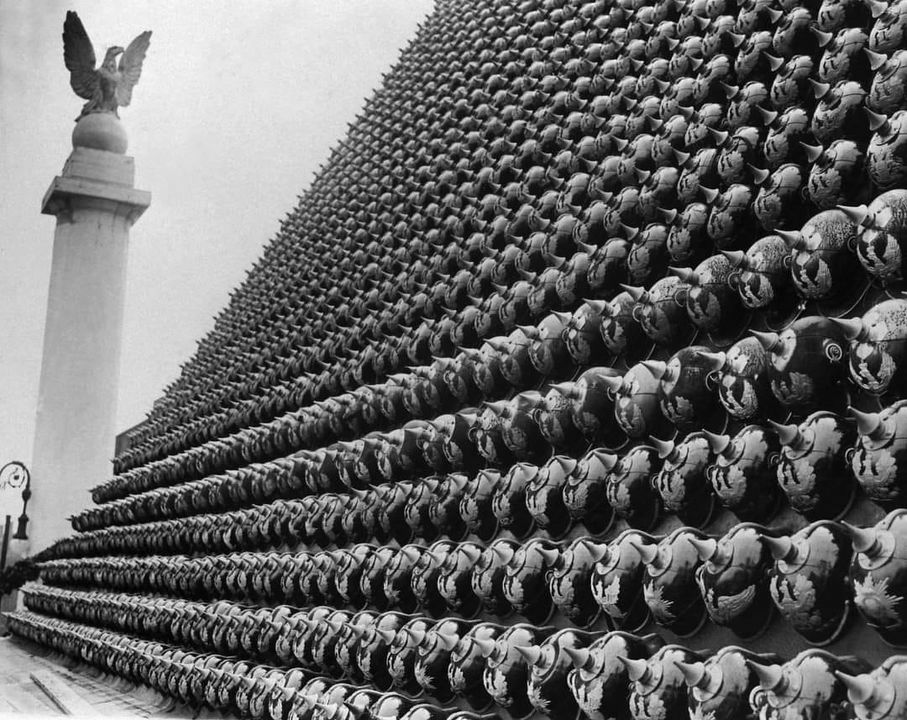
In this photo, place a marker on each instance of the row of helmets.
(521, 668)
(559, 345)
(351, 499)
(887, 20)
(227, 685)
(809, 465)
(814, 577)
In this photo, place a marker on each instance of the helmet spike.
(668, 214)
(598, 305)
(579, 656)
(565, 462)
(864, 540)
(387, 635)
(499, 553)
(531, 653)
(310, 699)
(768, 116)
(567, 389)
(781, 548)
(648, 552)
(820, 89)
(609, 460)
(860, 688)
(719, 136)
(598, 551)
(736, 257)
(729, 90)
(528, 330)
(774, 62)
(706, 548)
(658, 368)
(852, 328)
(876, 60)
(329, 710)
(486, 647)
(877, 121)
(768, 340)
(550, 555)
(823, 37)
(688, 275)
(770, 676)
(447, 640)
(788, 434)
(694, 674)
(760, 175)
(614, 384)
(813, 152)
(867, 423)
(877, 8)
(665, 448)
(859, 214)
(715, 360)
(634, 291)
(793, 238)
(638, 670)
(417, 635)
(718, 443)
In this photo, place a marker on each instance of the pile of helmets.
(581, 363)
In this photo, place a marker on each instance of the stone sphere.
(100, 131)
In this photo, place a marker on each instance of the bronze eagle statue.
(110, 86)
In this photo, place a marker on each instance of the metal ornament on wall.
(14, 476)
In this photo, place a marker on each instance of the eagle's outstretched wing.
(131, 67)
(78, 54)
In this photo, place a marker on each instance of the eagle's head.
(110, 59)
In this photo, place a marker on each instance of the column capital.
(96, 178)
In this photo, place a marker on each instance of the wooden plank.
(63, 696)
(16, 698)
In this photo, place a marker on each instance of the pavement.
(38, 684)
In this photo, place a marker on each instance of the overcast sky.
(238, 104)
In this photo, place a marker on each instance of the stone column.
(95, 204)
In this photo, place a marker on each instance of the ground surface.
(84, 691)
